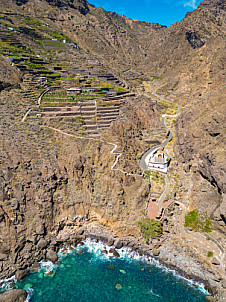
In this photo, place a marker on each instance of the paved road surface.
(143, 162)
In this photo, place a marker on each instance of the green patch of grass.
(198, 221)
(150, 228)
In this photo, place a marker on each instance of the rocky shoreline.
(64, 237)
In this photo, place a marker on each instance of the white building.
(158, 162)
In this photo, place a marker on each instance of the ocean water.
(90, 276)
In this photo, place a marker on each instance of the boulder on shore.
(51, 255)
(110, 242)
(20, 274)
(156, 252)
(118, 243)
(40, 229)
(14, 295)
(42, 244)
(35, 267)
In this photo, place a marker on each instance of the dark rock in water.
(156, 252)
(210, 299)
(110, 242)
(35, 267)
(111, 267)
(51, 255)
(20, 274)
(116, 254)
(42, 244)
(80, 252)
(118, 243)
(14, 295)
(142, 269)
(215, 261)
(104, 252)
(49, 273)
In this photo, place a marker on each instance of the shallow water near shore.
(91, 276)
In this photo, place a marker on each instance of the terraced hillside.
(75, 92)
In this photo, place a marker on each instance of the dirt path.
(26, 115)
(115, 146)
(39, 103)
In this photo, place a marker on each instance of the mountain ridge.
(55, 175)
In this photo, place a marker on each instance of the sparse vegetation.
(148, 173)
(150, 228)
(209, 254)
(198, 221)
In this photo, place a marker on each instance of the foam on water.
(128, 254)
(129, 265)
(7, 283)
(48, 266)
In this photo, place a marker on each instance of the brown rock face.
(80, 5)
(9, 75)
(14, 295)
(20, 274)
(42, 244)
(200, 145)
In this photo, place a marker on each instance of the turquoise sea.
(89, 276)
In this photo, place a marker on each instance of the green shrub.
(148, 173)
(209, 254)
(198, 221)
(150, 228)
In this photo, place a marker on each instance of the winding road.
(143, 162)
(197, 239)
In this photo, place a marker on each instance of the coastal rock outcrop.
(51, 255)
(13, 295)
(20, 274)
